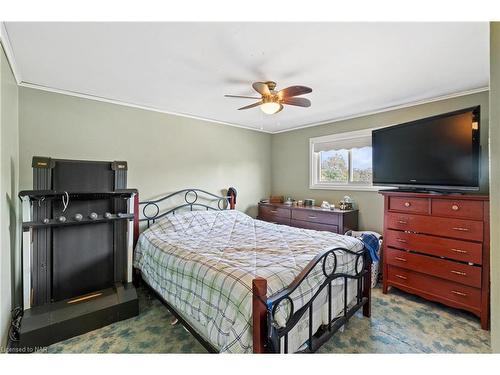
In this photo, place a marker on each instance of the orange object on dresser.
(437, 247)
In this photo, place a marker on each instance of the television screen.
(439, 152)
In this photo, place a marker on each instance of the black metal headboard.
(192, 198)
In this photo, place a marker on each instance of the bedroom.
(109, 118)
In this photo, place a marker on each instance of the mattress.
(203, 263)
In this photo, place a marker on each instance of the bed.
(215, 268)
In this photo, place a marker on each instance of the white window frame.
(314, 163)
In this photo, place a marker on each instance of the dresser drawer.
(464, 251)
(315, 216)
(412, 205)
(457, 208)
(273, 212)
(454, 228)
(315, 226)
(446, 291)
(446, 269)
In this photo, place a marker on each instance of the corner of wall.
(9, 188)
(495, 184)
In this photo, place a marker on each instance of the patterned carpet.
(400, 323)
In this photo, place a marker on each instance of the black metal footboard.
(268, 335)
(284, 301)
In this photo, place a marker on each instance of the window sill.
(348, 187)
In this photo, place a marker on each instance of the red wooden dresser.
(437, 247)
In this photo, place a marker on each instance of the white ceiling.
(186, 68)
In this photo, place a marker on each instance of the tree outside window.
(342, 161)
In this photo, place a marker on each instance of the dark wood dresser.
(337, 221)
(437, 247)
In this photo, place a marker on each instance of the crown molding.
(132, 105)
(9, 52)
(388, 109)
(331, 121)
(5, 41)
(7, 46)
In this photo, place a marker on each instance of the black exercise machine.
(76, 251)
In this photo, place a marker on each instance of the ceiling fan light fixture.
(272, 101)
(270, 108)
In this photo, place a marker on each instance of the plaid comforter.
(203, 263)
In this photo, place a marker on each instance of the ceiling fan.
(272, 101)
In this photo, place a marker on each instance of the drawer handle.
(402, 222)
(312, 217)
(461, 229)
(274, 211)
(459, 293)
(401, 277)
(455, 207)
(458, 273)
(401, 240)
(407, 204)
(400, 259)
(459, 251)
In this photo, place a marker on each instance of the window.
(342, 161)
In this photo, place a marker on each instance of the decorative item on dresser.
(337, 221)
(437, 246)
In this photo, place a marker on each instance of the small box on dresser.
(437, 247)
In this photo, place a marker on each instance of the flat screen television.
(435, 153)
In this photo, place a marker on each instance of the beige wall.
(164, 152)
(9, 204)
(290, 154)
(495, 183)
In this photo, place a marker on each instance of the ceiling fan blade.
(294, 91)
(261, 88)
(241, 96)
(299, 102)
(252, 105)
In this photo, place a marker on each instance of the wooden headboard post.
(231, 192)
